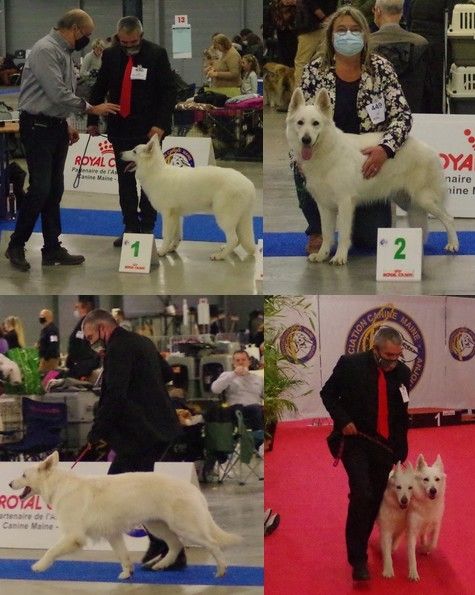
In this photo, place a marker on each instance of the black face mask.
(81, 43)
(42, 319)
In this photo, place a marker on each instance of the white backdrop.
(438, 335)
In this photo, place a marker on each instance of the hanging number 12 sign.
(139, 252)
(399, 254)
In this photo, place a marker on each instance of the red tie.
(126, 91)
(382, 427)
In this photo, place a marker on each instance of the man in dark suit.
(135, 415)
(367, 396)
(137, 73)
(407, 51)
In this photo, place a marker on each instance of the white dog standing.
(331, 161)
(109, 506)
(176, 191)
(426, 510)
(392, 516)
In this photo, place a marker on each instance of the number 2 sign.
(399, 255)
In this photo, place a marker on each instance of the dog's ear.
(398, 466)
(297, 100)
(421, 462)
(49, 462)
(323, 103)
(438, 463)
(152, 143)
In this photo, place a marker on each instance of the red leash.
(82, 455)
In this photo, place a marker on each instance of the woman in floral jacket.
(366, 97)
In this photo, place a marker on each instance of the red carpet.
(306, 554)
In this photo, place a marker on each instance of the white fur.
(176, 191)
(10, 370)
(106, 507)
(392, 516)
(425, 512)
(413, 178)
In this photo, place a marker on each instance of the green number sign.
(135, 247)
(400, 255)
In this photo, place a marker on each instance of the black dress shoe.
(360, 572)
(16, 256)
(61, 256)
(118, 242)
(155, 550)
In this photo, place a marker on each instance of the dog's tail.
(223, 537)
(245, 232)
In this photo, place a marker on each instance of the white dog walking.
(331, 161)
(107, 507)
(392, 516)
(425, 513)
(176, 191)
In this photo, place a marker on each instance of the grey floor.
(445, 275)
(236, 508)
(188, 271)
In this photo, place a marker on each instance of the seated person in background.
(244, 390)
(249, 72)
(7, 68)
(92, 61)
(225, 74)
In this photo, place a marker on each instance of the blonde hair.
(327, 51)
(223, 41)
(98, 43)
(252, 60)
(15, 324)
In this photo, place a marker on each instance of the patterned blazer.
(383, 83)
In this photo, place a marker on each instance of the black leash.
(366, 437)
(77, 179)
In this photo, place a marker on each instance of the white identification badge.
(79, 335)
(53, 338)
(377, 111)
(404, 393)
(138, 73)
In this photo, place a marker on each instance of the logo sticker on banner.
(298, 344)
(183, 151)
(179, 157)
(462, 344)
(361, 335)
(98, 171)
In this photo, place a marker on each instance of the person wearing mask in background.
(14, 332)
(46, 99)
(243, 390)
(135, 415)
(309, 20)
(81, 360)
(48, 344)
(135, 73)
(367, 398)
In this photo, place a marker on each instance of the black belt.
(42, 119)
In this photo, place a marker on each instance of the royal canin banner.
(453, 137)
(97, 163)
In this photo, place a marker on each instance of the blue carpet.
(293, 244)
(107, 572)
(197, 228)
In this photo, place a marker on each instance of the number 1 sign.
(139, 252)
(399, 255)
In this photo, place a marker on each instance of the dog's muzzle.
(307, 147)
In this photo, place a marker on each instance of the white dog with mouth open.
(106, 507)
(176, 191)
(332, 161)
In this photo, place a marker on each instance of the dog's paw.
(388, 573)
(220, 571)
(452, 247)
(339, 259)
(40, 566)
(413, 575)
(218, 256)
(163, 252)
(318, 256)
(125, 574)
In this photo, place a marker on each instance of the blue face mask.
(348, 43)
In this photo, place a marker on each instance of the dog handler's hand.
(103, 109)
(93, 130)
(375, 161)
(349, 430)
(156, 130)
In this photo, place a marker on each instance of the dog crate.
(461, 34)
(460, 89)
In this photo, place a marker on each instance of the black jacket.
(81, 360)
(306, 20)
(135, 411)
(48, 346)
(153, 99)
(351, 395)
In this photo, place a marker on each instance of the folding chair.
(218, 445)
(244, 452)
(43, 424)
